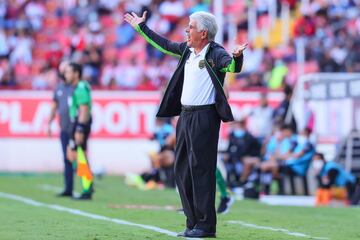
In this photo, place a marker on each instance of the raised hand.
(239, 49)
(133, 19)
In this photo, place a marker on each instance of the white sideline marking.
(32, 202)
(308, 201)
(282, 230)
(51, 188)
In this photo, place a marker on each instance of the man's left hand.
(239, 49)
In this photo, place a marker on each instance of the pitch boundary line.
(74, 211)
(282, 230)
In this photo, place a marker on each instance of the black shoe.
(199, 233)
(182, 234)
(225, 205)
(64, 194)
(84, 196)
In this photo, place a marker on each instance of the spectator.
(255, 81)
(162, 162)
(241, 144)
(109, 74)
(35, 11)
(329, 175)
(299, 160)
(261, 119)
(124, 35)
(304, 26)
(278, 74)
(22, 49)
(94, 36)
(92, 64)
(328, 64)
(282, 110)
(4, 44)
(162, 130)
(131, 75)
(153, 74)
(6, 73)
(199, 5)
(283, 151)
(172, 10)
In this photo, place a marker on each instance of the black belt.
(192, 108)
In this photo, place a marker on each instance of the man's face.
(69, 75)
(62, 68)
(194, 37)
(286, 133)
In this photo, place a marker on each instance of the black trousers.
(68, 168)
(197, 136)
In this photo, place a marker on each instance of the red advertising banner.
(115, 114)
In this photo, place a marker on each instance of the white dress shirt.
(198, 88)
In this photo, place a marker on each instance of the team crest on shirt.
(201, 64)
(211, 62)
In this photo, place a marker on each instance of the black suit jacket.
(217, 63)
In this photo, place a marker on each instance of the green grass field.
(113, 199)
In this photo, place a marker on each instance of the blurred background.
(302, 66)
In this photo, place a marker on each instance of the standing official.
(195, 92)
(80, 116)
(62, 94)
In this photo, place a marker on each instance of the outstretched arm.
(233, 64)
(162, 44)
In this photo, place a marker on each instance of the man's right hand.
(133, 19)
(70, 154)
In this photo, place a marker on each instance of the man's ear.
(204, 35)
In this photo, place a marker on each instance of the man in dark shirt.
(62, 94)
(281, 112)
(242, 145)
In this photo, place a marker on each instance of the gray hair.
(205, 21)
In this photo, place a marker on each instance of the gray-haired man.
(195, 92)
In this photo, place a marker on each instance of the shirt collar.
(202, 52)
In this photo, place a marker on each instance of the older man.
(195, 92)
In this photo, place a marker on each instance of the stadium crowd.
(35, 35)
